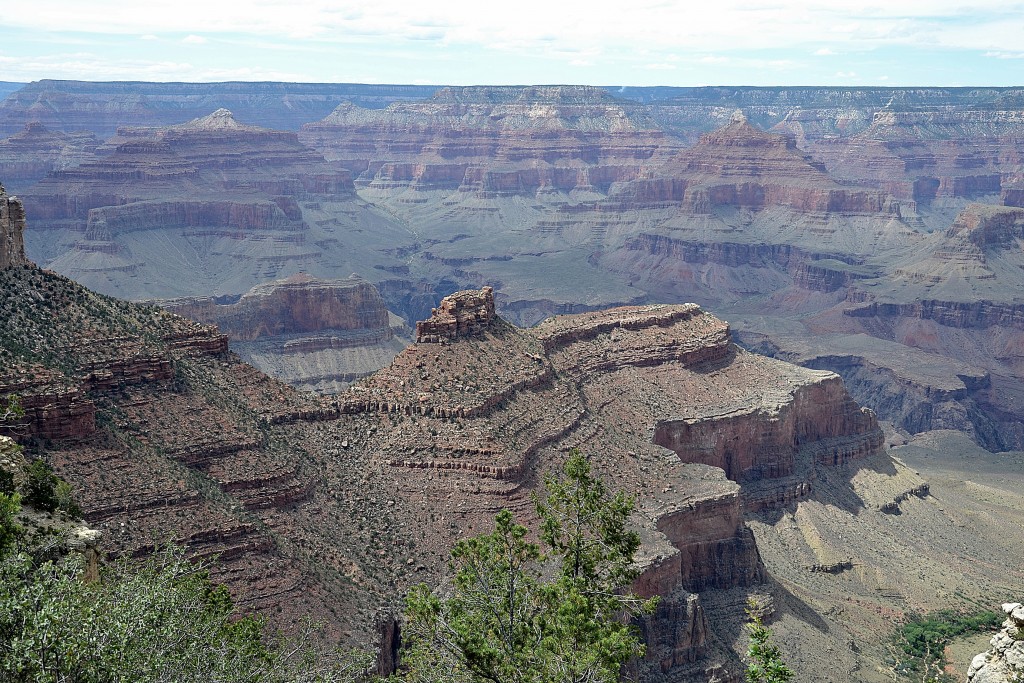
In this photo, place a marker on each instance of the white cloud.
(646, 36)
(87, 66)
(662, 26)
(1005, 55)
(846, 74)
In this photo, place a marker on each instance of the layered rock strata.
(103, 107)
(602, 382)
(31, 154)
(929, 155)
(208, 205)
(162, 434)
(459, 315)
(311, 333)
(956, 295)
(493, 141)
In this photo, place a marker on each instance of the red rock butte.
(458, 315)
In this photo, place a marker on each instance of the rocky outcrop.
(459, 315)
(12, 231)
(298, 304)
(1004, 662)
(676, 633)
(761, 441)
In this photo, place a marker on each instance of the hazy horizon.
(837, 43)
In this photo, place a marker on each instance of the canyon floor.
(952, 548)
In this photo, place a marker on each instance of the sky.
(464, 42)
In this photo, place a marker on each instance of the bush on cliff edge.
(521, 612)
(156, 620)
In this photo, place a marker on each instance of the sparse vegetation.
(156, 620)
(919, 645)
(520, 611)
(766, 665)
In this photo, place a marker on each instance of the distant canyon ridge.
(874, 232)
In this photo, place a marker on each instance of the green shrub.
(156, 620)
(6, 482)
(516, 614)
(39, 489)
(921, 642)
(10, 531)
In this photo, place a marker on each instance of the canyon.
(867, 240)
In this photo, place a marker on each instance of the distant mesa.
(316, 334)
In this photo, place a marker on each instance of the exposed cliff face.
(233, 204)
(956, 295)
(776, 431)
(12, 231)
(744, 167)
(311, 333)
(30, 154)
(459, 315)
(491, 142)
(930, 155)
(103, 107)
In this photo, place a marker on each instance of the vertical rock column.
(12, 231)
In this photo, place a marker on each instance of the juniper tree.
(524, 612)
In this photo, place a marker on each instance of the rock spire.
(12, 231)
